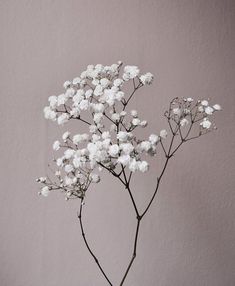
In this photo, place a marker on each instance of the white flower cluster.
(97, 98)
(110, 142)
(96, 89)
(184, 112)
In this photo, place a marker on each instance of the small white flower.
(66, 135)
(124, 159)
(189, 99)
(184, 122)
(200, 108)
(77, 162)
(105, 135)
(119, 95)
(115, 117)
(209, 110)
(74, 112)
(53, 101)
(63, 118)
(84, 104)
(106, 143)
(176, 111)
(118, 82)
(186, 111)
(68, 181)
(95, 138)
(78, 138)
(143, 123)
(49, 114)
(98, 90)
(62, 98)
(123, 113)
(95, 81)
(153, 139)
(133, 165)
(92, 128)
(127, 148)
(108, 97)
(217, 107)
(78, 97)
(56, 145)
(95, 178)
(45, 191)
(114, 89)
(205, 123)
(69, 153)
(113, 150)
(130, 72)
(67, 84)
(68, 168)
(88, 93)
(76, 80)
(163, 134)
(146, 78)
(145, 146)
(97, 117)
(135, 121)
(123, 135)
(98, 107)
(59, 162)
(70, 92)
(204, 103)
(143, 166)
(134, 113)
(104, 82)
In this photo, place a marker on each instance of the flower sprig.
(99, 98)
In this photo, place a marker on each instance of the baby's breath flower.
(97, 99)
(209, 110)
(63, 118)
(45, 191)
(114, 150)
(135, 121)
(205, 123)
(56, 145)
(184, 122)
(66, 135)
(163, 134)
(217, 107)
(146, 78)
(204, 103)
(143, 166)
(153, 139)
(130, 72)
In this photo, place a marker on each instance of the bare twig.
(87, 245)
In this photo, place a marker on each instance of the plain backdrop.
(188, 237)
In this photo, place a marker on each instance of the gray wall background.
(188, 237)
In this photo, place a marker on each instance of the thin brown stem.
(87, 245)
(134, 251)
(130, 193)
(128, 100)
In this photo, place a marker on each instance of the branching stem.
(126, 179)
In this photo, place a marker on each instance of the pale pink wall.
(188, 237)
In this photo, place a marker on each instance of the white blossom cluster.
(185, 112)
(110, 142)
(98, 99)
